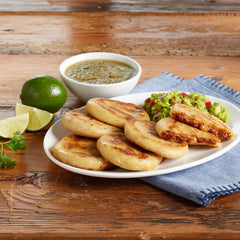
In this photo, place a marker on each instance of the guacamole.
(159, 105)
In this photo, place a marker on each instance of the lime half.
(38, 119)
(11, 125)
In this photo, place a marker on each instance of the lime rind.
(11, 125)
(44, 92)
(38, 119)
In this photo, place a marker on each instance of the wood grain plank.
(222, 69)
(63, 203)
(119, 5)
(38, 199)
(135, 34)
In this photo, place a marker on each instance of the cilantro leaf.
(17, 142)
(6, 161)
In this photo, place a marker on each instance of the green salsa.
(159, 105)
(100, 71)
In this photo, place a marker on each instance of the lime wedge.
(11, 125)
(38, 119)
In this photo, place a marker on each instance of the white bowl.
(85, 91)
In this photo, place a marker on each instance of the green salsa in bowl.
(100, 74)
(100, 71)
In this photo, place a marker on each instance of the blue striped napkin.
(204, 183)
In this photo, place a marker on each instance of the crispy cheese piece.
(143, 133)
(80, 152)
(173, 130)
(117, 149)
(202, 120)
(114, 112)
(81, 123)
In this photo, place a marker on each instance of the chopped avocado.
(159, 105)
(219, 111)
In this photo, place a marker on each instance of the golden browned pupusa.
(173, 130)
(143, 133)
(202, 120)
(114, 112)
(80, 152)
(117, 149)
(81, 123)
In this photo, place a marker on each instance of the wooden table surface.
(38, 199)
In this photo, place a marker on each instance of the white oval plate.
(197, 154)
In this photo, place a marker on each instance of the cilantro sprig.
(15, 143)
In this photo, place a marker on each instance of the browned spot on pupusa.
(127, 147)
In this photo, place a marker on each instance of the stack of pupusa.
(99, 141)
(193, 126)
(110, 133)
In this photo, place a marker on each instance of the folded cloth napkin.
(218, 177)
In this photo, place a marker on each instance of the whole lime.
(44, 92)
